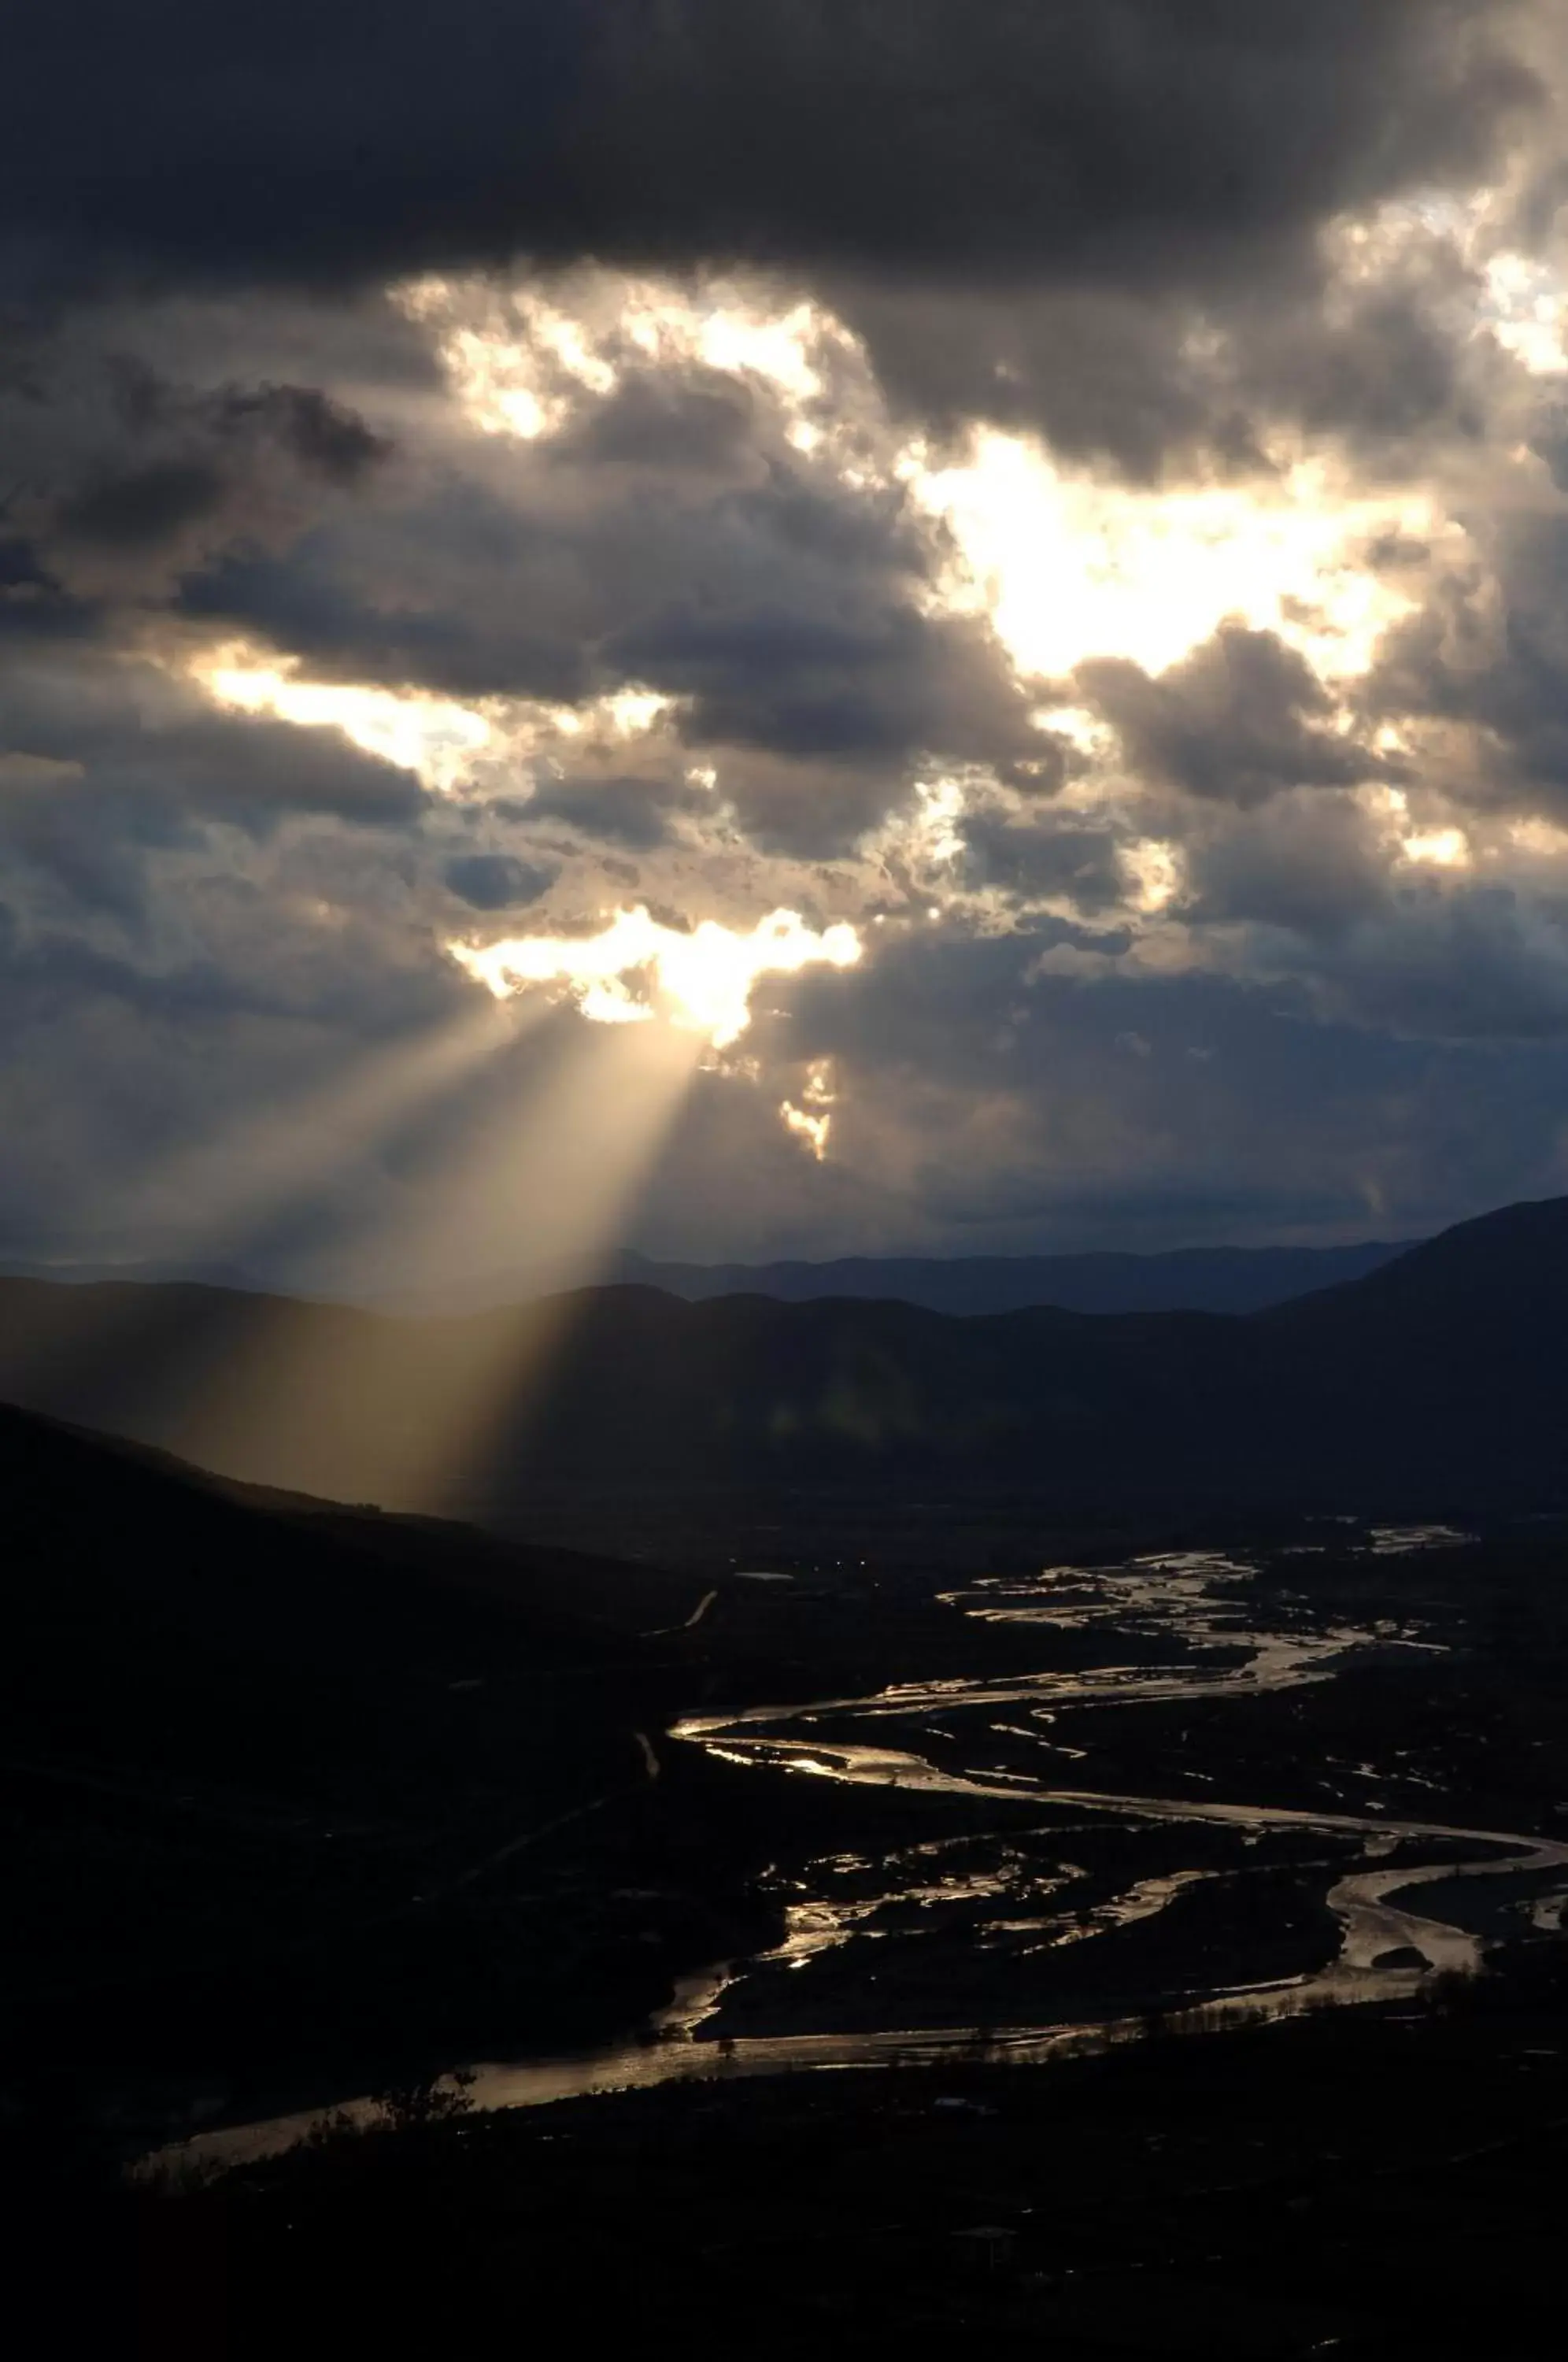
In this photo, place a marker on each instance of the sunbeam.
(562, 1176)
(222, 1198)
(315, 1401)
(226, 1185)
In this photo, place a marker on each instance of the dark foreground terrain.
(1379, 2184)
(307, 1807)
(294, 1794)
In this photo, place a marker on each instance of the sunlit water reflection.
(982, 1906)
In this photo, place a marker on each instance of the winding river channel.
(1061, 1927)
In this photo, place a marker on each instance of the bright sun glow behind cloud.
(430, 735)
(636, 969)
(1068, 568)
(441, 742)
(520, 362)
(1068, 565)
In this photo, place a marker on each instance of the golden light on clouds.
(811, 1124)
(636, 968)
(521, 362)
(1153, 869)
(1444, 848)
(432, 736)
(444, 743)
(1432, 847)
(1526, 309)
(1070, 567)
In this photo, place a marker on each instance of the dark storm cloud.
(1387, 366)
(143, 504)
(34, 605)
(634, 813)
(558, 587)
(497, 882)
(1313, 863)
(1487, 655)
(346, 632)
(783, 616)
(1477, 964)
(867, 686)
(217, 434)
(1087, 138)
(88, 733)
(700, 421)
(120, 478)
(1026, 208)
(1032, 859)
(1257, 1107)
(1241, 719)
(1154, 380)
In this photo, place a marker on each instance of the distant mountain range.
(1193, 1279)
(1439, 1378)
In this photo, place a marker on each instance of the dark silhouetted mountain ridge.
(1440, 1375)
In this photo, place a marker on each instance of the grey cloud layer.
(1096, 139)
(1028, 208)
(1110, 222)
(1240, 719)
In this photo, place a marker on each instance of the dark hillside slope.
(1505, 1271)
(745, 1390)
(280, 1783)
(623, 1387)
(147, 1618)
(1451, 1363)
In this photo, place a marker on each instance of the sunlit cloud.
(522, 361)
(933, 833)
(432, 736)
(631, 711)
(1441, 847)
(813, 1130)
(636, 968)
(1154, 871)
(812, 1123)
(1444, 848)
(445, 743)
(1527, 310)
(1067, 565)
(1070, 567)
(1519, 299)
(1539, 839)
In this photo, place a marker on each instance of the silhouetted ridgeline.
(1193, 1279)
(152, 1617)
(1440, 1377)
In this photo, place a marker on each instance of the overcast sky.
(1064, 499)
